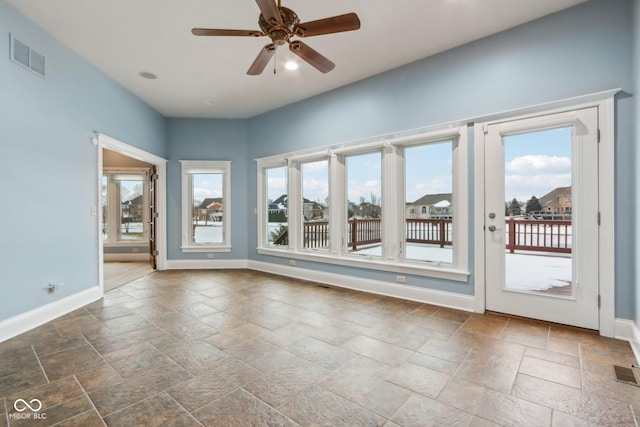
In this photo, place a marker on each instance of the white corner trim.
(627, 330)
(412, 293)
(16, 325)
(205, 264)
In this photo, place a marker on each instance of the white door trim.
(105, 141)
(607, 208)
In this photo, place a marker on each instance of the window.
(364, 203)
(388, 205)
(206, 224)
(429, 183)
(315, 204)
(277, 206)
(125, 203)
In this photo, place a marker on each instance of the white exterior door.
(541, 217)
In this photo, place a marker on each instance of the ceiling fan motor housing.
(280, 34)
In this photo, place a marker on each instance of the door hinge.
(599, 301)
(156, 215)
(155, 253)
(599, 218)
(598, 135)
(155, 175)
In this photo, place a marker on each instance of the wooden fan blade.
(335, 24)
(314, 58)
(270, 11)
(217, 32)
(262, 60)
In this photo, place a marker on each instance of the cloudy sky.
(206, 185)
(535, 164)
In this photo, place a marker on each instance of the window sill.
(427, 270)
(205, 248)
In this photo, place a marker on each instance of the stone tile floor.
(240, 348)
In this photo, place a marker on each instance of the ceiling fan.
(281, 25)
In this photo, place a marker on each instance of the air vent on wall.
(25, 56)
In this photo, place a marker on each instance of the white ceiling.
(206, 76)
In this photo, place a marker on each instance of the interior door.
(153, 215)
(541, 252)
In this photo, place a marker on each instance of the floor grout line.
(89, 399)
(40, 363)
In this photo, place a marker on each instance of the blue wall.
(579, 51)
(201, 139)
(48, 167)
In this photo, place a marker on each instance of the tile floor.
(240, 348)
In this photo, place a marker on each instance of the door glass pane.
(364, 204)
(131, 209)
(207, 201)
(277, 203)
(538, 212)
(428, 207)
(315, 204)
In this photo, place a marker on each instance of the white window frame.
(262, 211)
(189, 168)
(393, 206)
(114, 205)
(294, 176)
(460, 196)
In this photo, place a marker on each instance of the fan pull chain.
(274, 62)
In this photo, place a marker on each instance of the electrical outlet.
(292, 262)
(53, 287)
(401, 279)
(209, 256)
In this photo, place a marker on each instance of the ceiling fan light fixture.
(281, 24)
(291, 65)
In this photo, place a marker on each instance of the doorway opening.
(541, 208)
(131, 226)
(126, 221)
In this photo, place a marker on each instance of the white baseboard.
(205, 264)
(16, 325)
(628, 330)
(126, 257)
(412, 293)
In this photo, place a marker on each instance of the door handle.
(492, 228)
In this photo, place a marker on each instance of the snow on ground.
(523, 271)
(528, 272)
(211, 233)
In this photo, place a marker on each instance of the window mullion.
(390, 217)
(337, 211)
(294, 206)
